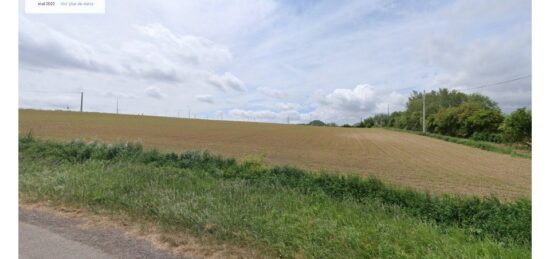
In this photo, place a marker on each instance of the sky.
(273, 61)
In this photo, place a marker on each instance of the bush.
(516, 128)
(486, 136)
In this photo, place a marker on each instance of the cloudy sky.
(271, 61)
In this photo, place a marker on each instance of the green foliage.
(517, 127)
(369, 122)
(479, 219)
(465, 120)
(322, 124)
(457, 114)
(381, 120)
(316, 123)
(483, 121)
(487, 136)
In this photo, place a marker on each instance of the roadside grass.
(511, 150)
(284, 211)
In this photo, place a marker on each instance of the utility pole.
(189, 111)
(81, 101)
(388, 118)
(424, 112)
(117, 105)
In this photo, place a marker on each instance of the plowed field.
(399, 158)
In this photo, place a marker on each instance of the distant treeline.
(457, 114)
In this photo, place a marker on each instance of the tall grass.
(286, 209)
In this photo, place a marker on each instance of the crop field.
(398, 158)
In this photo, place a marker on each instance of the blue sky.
(272, 60)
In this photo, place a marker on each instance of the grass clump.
(283, 211)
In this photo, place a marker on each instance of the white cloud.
(154, 92)
(288, 106)
(268, 115)
(350, 105)
(163, 56)
(216, 19)
(43, 47)
(114, 94)
(253, 115)
(227, 81)
(185, 49)
(360, 99)
(340, 106)
(274, 93)
(205, 98)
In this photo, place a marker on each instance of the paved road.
(43, 234)
(37, 242)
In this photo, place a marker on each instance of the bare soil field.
(399, 158)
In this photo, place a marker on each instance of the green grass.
(488, 146)
(282, 211)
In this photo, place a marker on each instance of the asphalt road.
(44, 234)
(37, 242)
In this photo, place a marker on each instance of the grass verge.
(283, 211)
(484, 145)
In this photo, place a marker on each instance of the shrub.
(517, 127)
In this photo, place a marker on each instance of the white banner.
(65, 6)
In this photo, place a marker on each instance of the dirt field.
(399, 158)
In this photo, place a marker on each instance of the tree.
(448, 112)
(483, 101)
(483, 121)
(516, 128)
(446, 121)
(369, 122)
(317, 123)
(381, 120)
(435, 102)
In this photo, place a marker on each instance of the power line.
(466, 89)
(46, 92)
(494, 84)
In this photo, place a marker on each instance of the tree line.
(456, 114)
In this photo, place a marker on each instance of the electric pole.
(81, 101)
(424, 112)
(117, 105)
(189, 111)
(388, 118)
